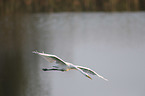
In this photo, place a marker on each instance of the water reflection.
(111, 44)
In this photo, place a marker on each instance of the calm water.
(111, 44)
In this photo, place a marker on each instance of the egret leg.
(51, 69)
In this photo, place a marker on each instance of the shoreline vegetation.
(49, 6)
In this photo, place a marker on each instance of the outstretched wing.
(51, 58)
(88, 70)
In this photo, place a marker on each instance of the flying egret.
(66, 66)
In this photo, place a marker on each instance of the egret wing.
(90, 71)
(87, 70)
(51, 58)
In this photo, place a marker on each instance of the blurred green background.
(47, 6)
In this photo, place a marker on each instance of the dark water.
(111, 44)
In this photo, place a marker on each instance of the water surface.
(112, 44)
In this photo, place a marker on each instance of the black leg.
(46, 69)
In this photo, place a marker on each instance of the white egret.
(65, 66)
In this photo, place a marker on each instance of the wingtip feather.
(102, 77)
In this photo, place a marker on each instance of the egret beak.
(89, 77)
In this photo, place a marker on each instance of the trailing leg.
(52, 69)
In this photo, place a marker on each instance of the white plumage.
(65, 66)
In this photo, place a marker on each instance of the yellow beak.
(89, 77)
